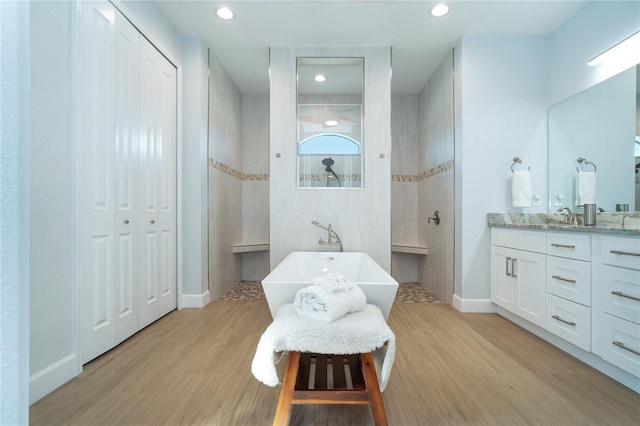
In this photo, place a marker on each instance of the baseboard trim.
(473, 305)
(55, 375)
(196, 300)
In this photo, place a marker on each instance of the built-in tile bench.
(410, 249)
(249, 247)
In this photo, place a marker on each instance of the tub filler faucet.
(330, 236)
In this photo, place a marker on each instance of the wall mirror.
(601, 125)
(329, 121)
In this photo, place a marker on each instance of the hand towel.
(585, 188)
(521, 189)
(316, 303)
(357, 332)
(333, 283)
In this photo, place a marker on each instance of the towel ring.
(582, 160)
(517, 160)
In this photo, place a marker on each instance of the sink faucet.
(569, 217)
(330, 236)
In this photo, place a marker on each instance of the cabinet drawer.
(620, 292)
(570, 279)
(518, 239)
(620, 344)
(621, 251)
(570, 245)
(568, 320)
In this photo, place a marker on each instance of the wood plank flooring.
(192, 367)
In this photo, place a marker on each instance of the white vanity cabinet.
(518, 273)
(617, 319)
(568, 286)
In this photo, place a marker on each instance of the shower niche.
(329, 122)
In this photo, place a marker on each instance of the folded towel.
(585, 188)
(316, 303)
(357, 332)
(333, 283)
(521, 189)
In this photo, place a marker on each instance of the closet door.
(157, 184)
(96, 153)
(127, 101)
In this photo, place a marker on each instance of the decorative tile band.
(237, 174)
(440, 168)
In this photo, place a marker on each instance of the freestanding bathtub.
(298, 269)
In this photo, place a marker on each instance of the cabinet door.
(529, 271)
(503, 286)
(157, 184)
(96, 153)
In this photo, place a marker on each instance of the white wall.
(503, 89)
(194, 171)
(14, 208)
(53, 330)
(501, 112)
(360, 216)
(595, 28)
(52, 216)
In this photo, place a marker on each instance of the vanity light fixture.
(225, 13)
(627, 48)
(439, 10)
(331, 123)
(320, 78)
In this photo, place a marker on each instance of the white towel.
(333, 283)
(358, 332)
(521, 189)
(585, 188)
(316, 303)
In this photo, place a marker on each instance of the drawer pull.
(621, 294)
(556, 317)
(626, 253)
(558, 277)
(563, 245)
(621, 345)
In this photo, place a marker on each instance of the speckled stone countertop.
(606, 223)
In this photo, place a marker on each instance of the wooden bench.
(311, 378)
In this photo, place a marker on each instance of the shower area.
(422, 182)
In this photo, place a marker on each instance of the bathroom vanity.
(578, 287)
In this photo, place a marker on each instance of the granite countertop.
(606, 223)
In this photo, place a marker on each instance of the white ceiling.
(418, 41)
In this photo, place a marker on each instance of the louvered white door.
(157, 184)
(96, 151)
(127, 101)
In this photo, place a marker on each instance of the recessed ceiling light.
(440, 10)
(225, 13)
(320, 78)
(331, 123)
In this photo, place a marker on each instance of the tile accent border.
(237, 174)
(440, 168)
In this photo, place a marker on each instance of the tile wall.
(422, 182)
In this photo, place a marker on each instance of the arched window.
(329, 144)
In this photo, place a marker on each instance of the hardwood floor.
(192, 367)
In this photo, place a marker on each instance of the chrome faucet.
(569, 217)
(330, 236)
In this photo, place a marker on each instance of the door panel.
(96, 153)
(127, 54)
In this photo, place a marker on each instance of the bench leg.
(286, 393)
(373, 390)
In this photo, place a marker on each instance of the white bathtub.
(298, 269)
